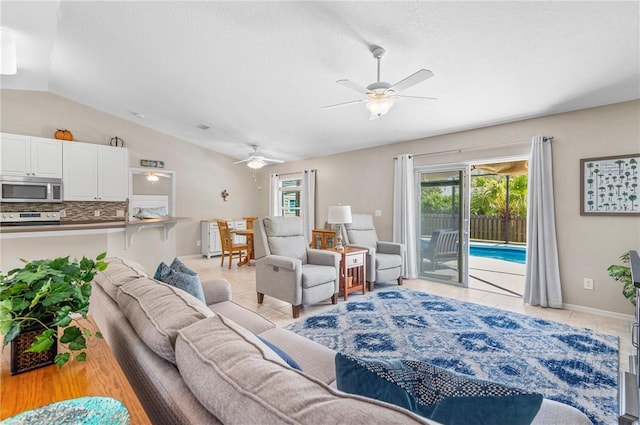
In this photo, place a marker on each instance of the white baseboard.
(583, 309)
(191, 256)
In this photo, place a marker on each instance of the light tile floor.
(242, 281)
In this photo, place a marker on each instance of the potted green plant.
(45, 295)
(622, 274)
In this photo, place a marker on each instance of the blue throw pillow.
(185, 281)
(284, 356)
(179, 266)
(444, 396)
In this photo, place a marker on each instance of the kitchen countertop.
(90, 225)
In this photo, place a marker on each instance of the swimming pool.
(515, 254)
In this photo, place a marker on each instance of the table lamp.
(338, 215)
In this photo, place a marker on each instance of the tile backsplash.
(75, 211)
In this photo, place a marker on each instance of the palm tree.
(489, 195)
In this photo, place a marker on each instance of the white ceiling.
(259, 72)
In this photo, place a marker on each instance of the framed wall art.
(609, 185)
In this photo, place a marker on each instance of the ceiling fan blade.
(244, 160)
(412, 80)
(353, 86)
(345, 103)
(276, 161)
(416, 97)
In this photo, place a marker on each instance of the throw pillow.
(179, 266)
(444, 396)
(185, 281)
(284, 356)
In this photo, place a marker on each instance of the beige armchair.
(385, 260)
(287, 269)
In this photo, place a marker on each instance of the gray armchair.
(385, 260)
(287, 269)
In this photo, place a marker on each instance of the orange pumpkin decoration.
(62, 134)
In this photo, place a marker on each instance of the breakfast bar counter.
(91, 225)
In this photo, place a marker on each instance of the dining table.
(248, 233)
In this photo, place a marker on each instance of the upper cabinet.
(95, 172)
(30, 156)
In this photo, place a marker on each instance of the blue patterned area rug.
(571, 365)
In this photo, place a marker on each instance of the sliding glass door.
(443, 224)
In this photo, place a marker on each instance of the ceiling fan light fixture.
(152, 177)
(256, 163)
(379, 106)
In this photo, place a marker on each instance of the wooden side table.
(353, 273)
(99, 375)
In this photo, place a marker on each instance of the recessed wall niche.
(153, 181)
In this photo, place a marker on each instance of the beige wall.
(364, 179)
(587, 245)
(200, 173)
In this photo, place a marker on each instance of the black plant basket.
(23, 362)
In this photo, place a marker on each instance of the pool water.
(514, 254)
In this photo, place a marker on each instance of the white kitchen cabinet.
(95, 172)
(28, 156)
(210, 240)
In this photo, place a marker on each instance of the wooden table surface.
(249, 234)
(100, 375)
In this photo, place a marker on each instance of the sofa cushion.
(118, 273)
(444, 396)
(158, 311)
(182, 277)
(244, 317)
(284, 356)
(235, 380)
(314, 359)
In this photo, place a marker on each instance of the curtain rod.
(474, 148)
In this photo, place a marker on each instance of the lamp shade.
(339, 214)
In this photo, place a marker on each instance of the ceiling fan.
(256, 161)
(381, 96)
(154, 176)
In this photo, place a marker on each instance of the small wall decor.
(224, 195)
(151, 163)
(117, 141)
(609, 185)
(62, 134)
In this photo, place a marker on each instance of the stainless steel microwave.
(30, 189)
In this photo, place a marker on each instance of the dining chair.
(227, 244)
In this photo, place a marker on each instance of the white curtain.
(308, 201)
(274, 192)
(404, 212)
(542, 277)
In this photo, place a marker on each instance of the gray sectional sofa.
(191, 363)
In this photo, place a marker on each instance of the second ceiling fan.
(381, 96)
(257, 161)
